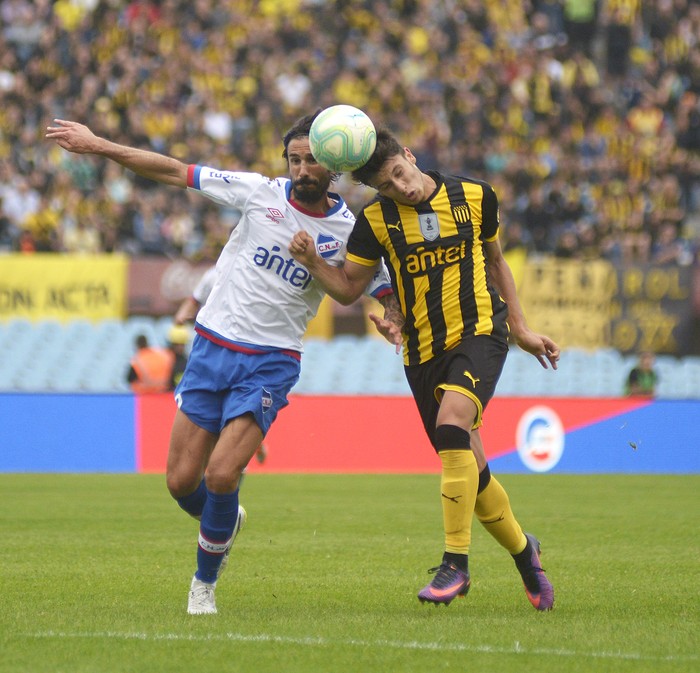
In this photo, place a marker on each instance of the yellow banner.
(595, 304)
(570, 301)
(652, 310)
(63, 287)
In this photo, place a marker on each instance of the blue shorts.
(220, 384)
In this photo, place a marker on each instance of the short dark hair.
(387, 147)
(300, 129)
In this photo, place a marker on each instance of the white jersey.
(261, 295)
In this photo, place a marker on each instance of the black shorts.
(472, 368)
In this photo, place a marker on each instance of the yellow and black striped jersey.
(434, 253)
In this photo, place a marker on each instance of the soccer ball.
(342, 138)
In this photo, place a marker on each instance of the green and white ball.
(342, 138)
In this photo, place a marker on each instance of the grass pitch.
(324, 576)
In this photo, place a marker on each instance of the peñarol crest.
(429, 226)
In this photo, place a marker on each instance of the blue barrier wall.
(67, 433)
(122, 433)
(661, 437)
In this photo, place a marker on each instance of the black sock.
(461, 561)
(523, 559)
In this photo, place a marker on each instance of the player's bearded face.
(310, 181)
(311, 189)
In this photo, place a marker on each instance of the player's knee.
(180, 484)
(219, 481)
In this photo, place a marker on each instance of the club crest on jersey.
(327, 245)
(266, 400)
(462, 213)
(429, 226)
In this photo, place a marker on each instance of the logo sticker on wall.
(540, 439)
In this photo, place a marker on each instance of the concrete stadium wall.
(125, 433)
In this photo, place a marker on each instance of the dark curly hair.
(387, 146)
(300, 129)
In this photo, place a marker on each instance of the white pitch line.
(516, 648)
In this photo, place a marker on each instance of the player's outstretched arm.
(79, 139)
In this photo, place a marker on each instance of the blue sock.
(193, 503)
(215, 530)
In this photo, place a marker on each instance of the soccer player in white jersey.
(246, 355)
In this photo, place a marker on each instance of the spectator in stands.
(20, 200)
(620, 19)
(7, 235)
(151, 367)
(538, 218)
(642, 379)
(580, 18)
(669, 248)
(567, 245)
(82, 238)
(115, 58)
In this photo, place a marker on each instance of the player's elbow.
(346, 298)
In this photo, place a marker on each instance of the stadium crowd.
(584, 115)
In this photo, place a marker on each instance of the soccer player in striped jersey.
(248, 345)
(438, 235)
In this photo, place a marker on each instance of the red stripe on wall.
(154, 418)
(349, 434)
(312, 434)
(364, 434)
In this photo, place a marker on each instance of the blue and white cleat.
(201, 599)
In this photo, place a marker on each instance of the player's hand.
(303, 248)
(72, 136)
(389, 330)
(541, 346)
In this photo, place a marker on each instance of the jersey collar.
(331, 211)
